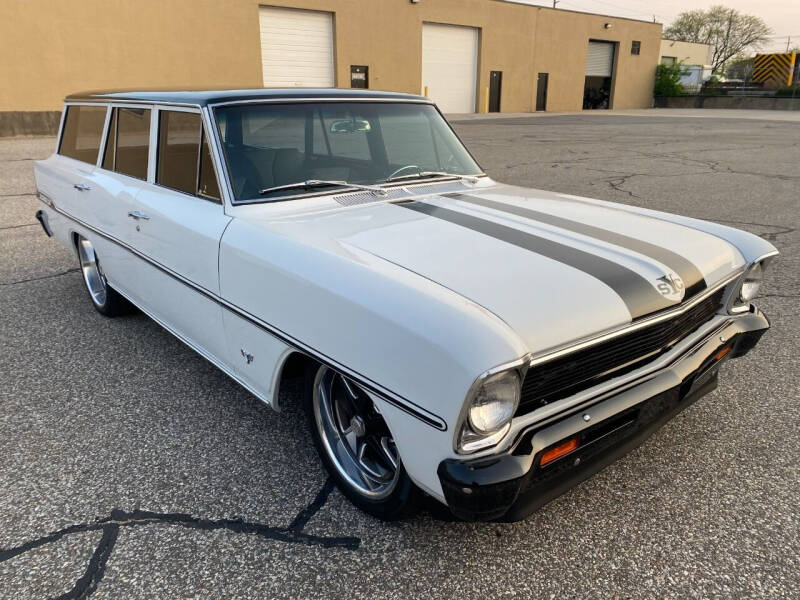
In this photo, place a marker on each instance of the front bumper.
(513, 484)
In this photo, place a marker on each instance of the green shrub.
(668, 79)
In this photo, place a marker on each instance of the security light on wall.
(605, 26)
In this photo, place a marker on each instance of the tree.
(668, 79)
(726, 30)
(740, 68)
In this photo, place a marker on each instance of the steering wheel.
(406, 168)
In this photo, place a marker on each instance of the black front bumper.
(512, 485)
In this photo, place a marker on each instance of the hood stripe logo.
(639, 295)
(687, 271)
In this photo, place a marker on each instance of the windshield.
(272, 145)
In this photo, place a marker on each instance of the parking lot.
(132, 468)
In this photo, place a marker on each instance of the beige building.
(468, 55)
(689, 53)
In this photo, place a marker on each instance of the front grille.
(565, 376)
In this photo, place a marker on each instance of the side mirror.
(350, 125)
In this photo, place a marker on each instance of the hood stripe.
(639, 296)
(688, 272)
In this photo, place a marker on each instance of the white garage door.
(296, 47)
(450, 66)
(600, 59)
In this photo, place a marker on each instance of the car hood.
(554, 268)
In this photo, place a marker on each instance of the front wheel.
(356, 446)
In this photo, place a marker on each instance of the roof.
(206, 97)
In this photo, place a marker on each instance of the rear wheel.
(356, 445)
(104, 298)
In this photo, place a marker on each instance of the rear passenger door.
(70, 182)
(177, 222)
(119, 177)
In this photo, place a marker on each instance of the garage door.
(600, 59)
(450, 66)
(296, 47)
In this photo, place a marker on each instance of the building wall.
(562, 40)
(689, 53)
(51, 49)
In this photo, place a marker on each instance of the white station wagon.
(486, 344)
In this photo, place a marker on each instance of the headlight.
(494, 403)
(490, 411)
(751, 283)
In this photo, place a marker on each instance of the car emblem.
(671, 287)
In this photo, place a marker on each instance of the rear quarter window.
(83, 128)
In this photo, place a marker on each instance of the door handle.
(81, 187)
(135, 214)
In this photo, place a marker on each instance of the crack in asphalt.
(616, 183)
(67, 272)
(111, 525)
(16, 195)
(18, 226)
(96, 569)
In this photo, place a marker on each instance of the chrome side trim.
(94, 100)
(319, 99)
(389, 396)
(119, 101)
(646, 322)
(45, 198)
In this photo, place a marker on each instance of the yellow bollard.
(426, 91)
(486, 99)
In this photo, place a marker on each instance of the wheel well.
(293, 367)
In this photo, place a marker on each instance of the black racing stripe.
(639, 296)
(692, 277)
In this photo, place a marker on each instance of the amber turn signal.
(721, 354)
(558, 451)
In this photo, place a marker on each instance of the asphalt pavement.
(132, 468)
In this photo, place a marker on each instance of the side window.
(178, 150)
(133, 141)
(83, 128)
(184, 158)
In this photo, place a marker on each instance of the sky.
(783, 16)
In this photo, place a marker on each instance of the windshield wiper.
(315, 183)
(424, 174)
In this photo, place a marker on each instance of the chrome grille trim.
(561, 378)
(645, 322)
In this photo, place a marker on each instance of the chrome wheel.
(92, 272)
(354, 435)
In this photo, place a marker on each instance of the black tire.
(401, 500)
(105, 299)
